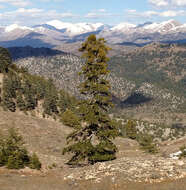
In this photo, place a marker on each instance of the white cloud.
(33, 10)
(18, 3)
(32, 16)
(102, 10)
(179, 2)
(149, 14)
(2, 7)
(159, 3)
(168, 3)
(172, 13)
(100, 13)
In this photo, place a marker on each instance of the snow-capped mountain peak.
(12, 27)
(163, 26)
(151, 26)
(123, 26)
(59, 25)
(75, 29)
(56, 32)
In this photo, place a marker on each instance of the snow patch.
(12, 27)
(176, 155)
(123, 26)
(75, 29)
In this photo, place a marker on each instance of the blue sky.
(112, 12)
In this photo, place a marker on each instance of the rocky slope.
(151, 77)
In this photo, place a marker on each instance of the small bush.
(183, 152)
(34, 162)
(70, 119)
(147, 144)
(13, 155)
(131, 131)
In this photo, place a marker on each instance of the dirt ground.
(14, 181)
(47, 139)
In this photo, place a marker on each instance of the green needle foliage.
(34, 162)
(147, 144)
(13, 154)
(21, 91)
(131, 131)
(5, 60)
(92, 141)
(70, 119)
(183, 152)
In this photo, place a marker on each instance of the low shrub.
(13, 154)
(34, 162)
(131, 130)
(183, 152)
(147, 144)
(70, 119)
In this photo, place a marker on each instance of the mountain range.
(56, 33)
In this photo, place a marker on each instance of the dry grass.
(13, 181)
(47, 138)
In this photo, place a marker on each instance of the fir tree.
(147, 144)
(70, 119)
(20, 102)
(92, 141)
(34, 162)
(65, 101)
(29, 94)
(13, 154)
(8, 94)
(51, 98)
(131, 130)
(5, 60)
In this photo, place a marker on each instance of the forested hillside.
(151, 78)
(162, 65)
(21, 91)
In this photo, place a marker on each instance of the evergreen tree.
(65, 101)
(131, 130)
(5, 60)
(13, 154)
(70, 119)
(29, 94)
(20, 102)
(147, 144)
(8, 94)
(34, 162)
(51, 98)
(92, 141)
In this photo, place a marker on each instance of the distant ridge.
(28, 51)
(60, 34)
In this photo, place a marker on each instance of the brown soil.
(47, 139)
(16, 181)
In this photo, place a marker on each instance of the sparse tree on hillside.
(51, 98)
(92, 141)
(5, 60)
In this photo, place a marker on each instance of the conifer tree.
(131, 130)
(92, 141)
(50, 100)
(20, 102)
(5, 60)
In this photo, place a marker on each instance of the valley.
(92, 95)
(145, 79)
(40, 87)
